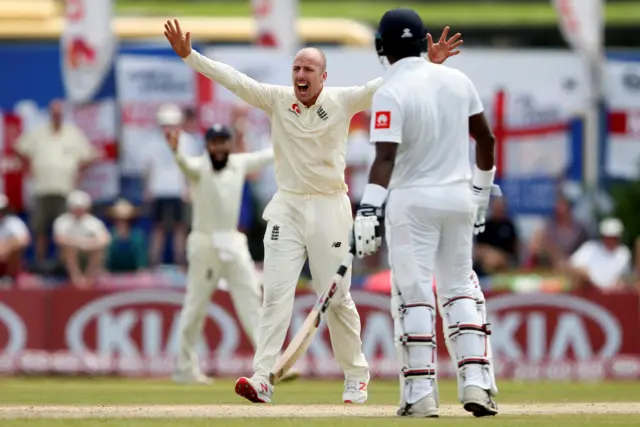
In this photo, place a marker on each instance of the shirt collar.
(410, 61)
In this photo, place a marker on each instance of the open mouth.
(303, 88)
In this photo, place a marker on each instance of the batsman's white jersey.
(425, 108)
(310, 215)
(216, 249)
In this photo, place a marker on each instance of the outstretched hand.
(173, 137)
(439, 52)
(180, 43)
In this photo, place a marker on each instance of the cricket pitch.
(297, 411)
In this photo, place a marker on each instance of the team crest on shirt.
(383, 120)
(295, 109)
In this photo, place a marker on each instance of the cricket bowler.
(421, 120)
(310, 214)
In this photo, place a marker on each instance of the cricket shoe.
(197, 378)
(355, 391)
(423, 408)
(256, 391)
(478, 401)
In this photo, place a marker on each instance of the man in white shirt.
(165, 188)
(215, 248)
(604, 263)
(14, 238)
(55, 154)
(422, 117)
(310, 215)
(81, 239)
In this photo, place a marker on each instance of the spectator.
(497, 248)
(128, 249)
(605, 263)
(55, 154)
(14, 238)
(165, 188)
(81, 239)
(562, 235)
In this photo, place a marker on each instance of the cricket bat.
(300, 342)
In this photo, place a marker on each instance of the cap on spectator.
(169, 115)
(611, 227)
(78, 199)
(123, 209)
(4, 201)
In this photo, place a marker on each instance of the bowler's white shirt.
(425, 108)
(85, 227)
(309, 144)
(55, 157)
(217, 195)
(605, 267)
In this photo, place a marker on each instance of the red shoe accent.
(244, 389)
(363, 386)
(348, 401)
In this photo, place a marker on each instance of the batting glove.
(481, 198)
(366, 230)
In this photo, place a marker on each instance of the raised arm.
(257, 94)
(358, 98)
(190, 166)
(257, 160)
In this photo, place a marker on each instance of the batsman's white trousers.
(316, 226)
(212, 257)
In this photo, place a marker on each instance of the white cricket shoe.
(423, 408)
(478, 401)
(197, 378)
(254, 390)
(355, 391)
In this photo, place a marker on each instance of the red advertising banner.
(134, 333)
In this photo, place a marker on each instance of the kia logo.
(569, 335)
(16, 329)
(116, 329)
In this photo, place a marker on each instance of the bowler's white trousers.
(316, 226)
(212, 257)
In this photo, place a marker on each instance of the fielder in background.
(421, 120)
(310, 215)
(215, 247)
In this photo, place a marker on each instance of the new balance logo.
(275, 232)
(336, 245)
(322, 114)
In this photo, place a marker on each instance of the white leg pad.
(467, 332)
(414, 325)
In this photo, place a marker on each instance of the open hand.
(180, 43)
(173, 137)
(439, 52)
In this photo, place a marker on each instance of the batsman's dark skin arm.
(485, 141)
(383, 164)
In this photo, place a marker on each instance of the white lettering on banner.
(143, 78)
(113, 329)
(16, 329)
(569, 338)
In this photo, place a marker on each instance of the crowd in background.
(71, 242)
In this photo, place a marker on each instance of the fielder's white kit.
(310, 215)
(430, 216)
(216, 249)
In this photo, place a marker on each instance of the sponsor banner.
(135, 333)
(144, 83)
(87, 46)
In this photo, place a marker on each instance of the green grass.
(434, 14)
(87, 391)
(555, 421)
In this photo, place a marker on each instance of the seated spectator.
(561, 236)
(497, 248)
(14, 238)
(603, 264)
(128, 249)
(81, 239)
